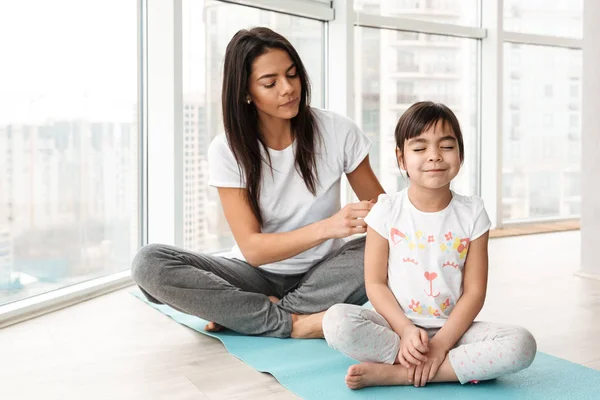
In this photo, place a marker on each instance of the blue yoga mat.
(312, 370)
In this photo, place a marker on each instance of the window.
(68, 209)
(574, 121)
(516, 120)
(406, 92)
(574, 153)
(573, 184)
(464, 12)
(406, 62)
(204, 43)
(546, 137)
(544, 194)
(401, 88)
(547, 121)
(407, 36)
(574, 89)
(557, 18)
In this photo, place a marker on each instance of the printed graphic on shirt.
(445, 308)
(450, 264)
(418, 240)
(461, 245)
(451, 252)
(415, 306)
(396, 236)
(434, 312)
(430, 276)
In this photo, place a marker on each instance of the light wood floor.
(529, 229)
(116, 347)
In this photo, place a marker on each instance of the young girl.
(426, 267)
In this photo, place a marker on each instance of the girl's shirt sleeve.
(482, 222)
(378, 217)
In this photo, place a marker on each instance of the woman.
(277, 170)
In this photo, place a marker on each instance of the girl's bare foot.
(309, 326)
(375, 374)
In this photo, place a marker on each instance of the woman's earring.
(248, 100)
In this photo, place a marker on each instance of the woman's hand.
(426, 371)
(349, 220)
(413, 347)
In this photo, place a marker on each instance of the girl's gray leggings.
(485, 351)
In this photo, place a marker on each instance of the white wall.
(590, 167)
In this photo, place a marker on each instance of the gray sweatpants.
(485, 351)
(234, 294)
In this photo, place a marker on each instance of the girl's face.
(431, 159)
(274, 85)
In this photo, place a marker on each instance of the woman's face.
(274, 85)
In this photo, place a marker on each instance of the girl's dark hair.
(241, 119)
(421, 116)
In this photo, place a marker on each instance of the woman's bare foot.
(309, 326)
(213, 327)
(375, 374)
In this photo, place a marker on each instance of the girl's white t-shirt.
(285, 201)
(427, 252)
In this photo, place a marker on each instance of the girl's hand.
(413, 347)
(348, 221)
(426, 371)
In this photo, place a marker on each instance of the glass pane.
(542, 132)
(207, 28)
(542, 17)
(68, 143)
(396, 69)
(457, 12)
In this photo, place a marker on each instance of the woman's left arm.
(473, 297)
(364, 182)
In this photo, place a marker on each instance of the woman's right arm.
(263, 248)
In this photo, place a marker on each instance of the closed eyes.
(443, 148)
(290, 76)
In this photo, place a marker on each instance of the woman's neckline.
(271, 150)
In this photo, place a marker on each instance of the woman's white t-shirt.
(285, 201)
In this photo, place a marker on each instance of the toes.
(354, 381)
(354, 385)
(354, 370)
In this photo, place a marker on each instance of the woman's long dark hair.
(241, 119)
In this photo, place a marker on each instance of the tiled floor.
(117, 347)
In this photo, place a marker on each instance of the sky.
(56, 66)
